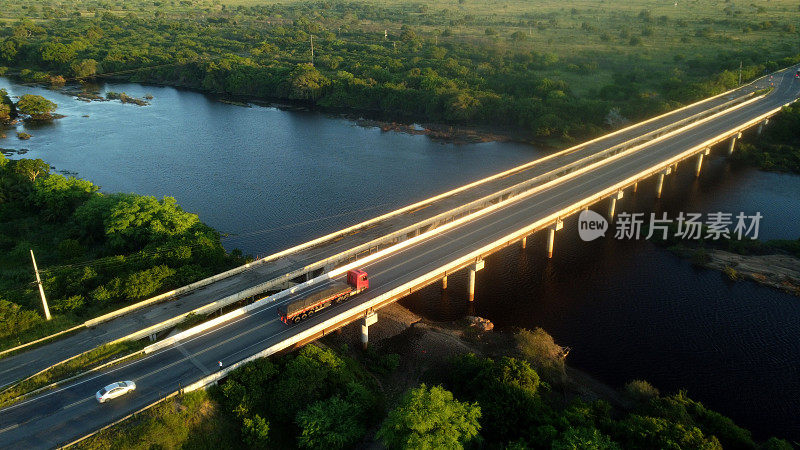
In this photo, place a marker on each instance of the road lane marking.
(75, 404)
(9, 428)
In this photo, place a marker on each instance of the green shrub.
(641, 390)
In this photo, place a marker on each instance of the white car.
(115, 390)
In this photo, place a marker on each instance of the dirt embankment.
(425, 347)
(778, 271)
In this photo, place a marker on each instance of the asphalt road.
(31, 361)
(59, 416)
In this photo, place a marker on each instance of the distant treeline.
(412, 75)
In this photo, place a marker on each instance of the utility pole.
(41, 289)
(740, 72)
(312, 49)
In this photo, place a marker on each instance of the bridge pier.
(444, 282)
(761, 126)
(613, 205)
(369, 319)
(635, 187)
(524, 242)
(551, 236)
(153, 337)
(472, 270)
(732, 146)
(700, 161)
(660, 181)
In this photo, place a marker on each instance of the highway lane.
(60, 415)
(27, 363)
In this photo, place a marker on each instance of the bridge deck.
(63, 414)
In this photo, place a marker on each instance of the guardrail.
(426, 225)
(338, 271)
(435, 221)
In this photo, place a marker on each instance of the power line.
(114, 260)
(296, 224)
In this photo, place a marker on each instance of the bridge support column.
(761, 126)
(472, 270)
(551, 236)
(369, 319)
(635, 187)
(444, 282)
(613, 205)
(660, 181)
(733, 143)
(699, 165)
(700, 161)
(524, 242)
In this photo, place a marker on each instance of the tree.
(307, 82)
(6, 106)
(59, 195)
(36, 106)
(430, 419)
(641, 390)
(31, 168)
(309, 377)
(135, 221)
(331, 423)
(539, 348)
(255, 431)
(653, 432)
(14, 319)
(85, 68)
(584, 439)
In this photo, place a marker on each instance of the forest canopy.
(528, 67)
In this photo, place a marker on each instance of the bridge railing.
(369, 246)
(438, 220)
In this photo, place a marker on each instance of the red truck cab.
(358, 279)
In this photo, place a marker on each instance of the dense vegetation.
(778, 147)
(96, 252)
(539, 68)
(324, 399)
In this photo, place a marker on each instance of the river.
(630, 310)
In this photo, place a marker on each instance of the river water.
(630, 310)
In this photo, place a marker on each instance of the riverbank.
(425, 347)
(440, 132)
(777, 271)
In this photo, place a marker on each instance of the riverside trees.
(36, 106)
(96, 251)
(438, 66)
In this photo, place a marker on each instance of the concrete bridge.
(403, 251)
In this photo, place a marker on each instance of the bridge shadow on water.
(633, 310)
